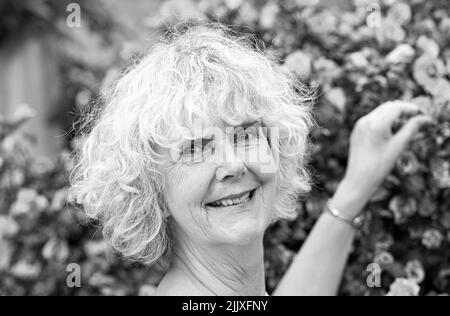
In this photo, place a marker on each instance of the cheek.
(263, 163)
(186, 187)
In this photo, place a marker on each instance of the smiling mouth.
(244, 198)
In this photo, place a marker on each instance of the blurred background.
(55, 55)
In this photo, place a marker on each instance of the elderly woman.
(202, 145)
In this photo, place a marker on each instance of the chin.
(243, 234)
(240, 224)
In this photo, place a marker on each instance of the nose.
(231, 166)
(230, 170)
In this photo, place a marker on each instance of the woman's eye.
(195, 149)
(247, 137)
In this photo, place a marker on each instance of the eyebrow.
(189, 142)
(209, 138)
(247, 124)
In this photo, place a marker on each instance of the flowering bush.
(40, 233)
(358, 66)
(358, 60)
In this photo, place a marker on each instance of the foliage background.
(356, 67)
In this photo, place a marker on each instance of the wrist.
(355, 222)
(349, 198)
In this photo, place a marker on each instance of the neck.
(220, 269)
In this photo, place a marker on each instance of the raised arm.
(318, 267)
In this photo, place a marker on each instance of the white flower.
(403, 208)
(247, 14)
(269, 15)
(56, 250)
(428, 72)
(99, 279)
(41, 203)
(8, 226)
(432, 238)
(95, 248)
(388, 3)
(26, 270)
(323, 23)
(233, 4)
(326, 70)
(414, 271)
(23, 202)
(336, 96)
(404, 287)
(384, 258)
(147, 290)
(407, 163)
(59, 200)
(425, 103)
(307, 3)
(390, 31)
(23, 113)
(403, 53)
(440, 168)
(299, 63)
(428, 46)
(400, 12)
(358, 59)
(28, 200)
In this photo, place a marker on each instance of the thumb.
(404, 135)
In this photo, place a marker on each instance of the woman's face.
(221, 187)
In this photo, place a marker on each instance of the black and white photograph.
(224, 148)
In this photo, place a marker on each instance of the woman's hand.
(374, 150)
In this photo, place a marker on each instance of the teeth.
(229, 202)
(245, 197)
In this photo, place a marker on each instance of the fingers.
(401, 139)
(388, 112)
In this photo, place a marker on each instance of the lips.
(234, 199)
